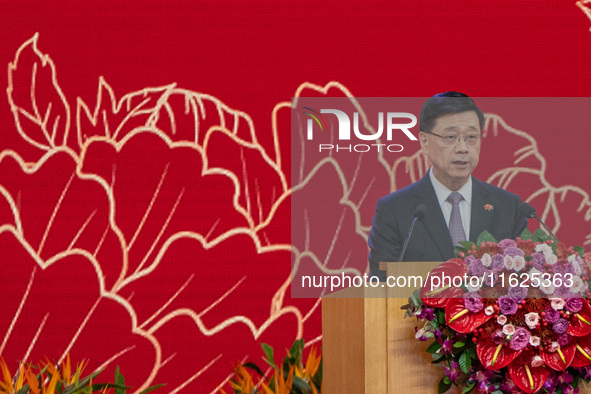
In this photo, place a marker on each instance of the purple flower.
(560, 326)
(420, 334)
(476, 268)
(562, 292)
(473, 302)
(538, 261)
(507, 243)
(498, 337)
(452, 373)
(469, 259)
(563, 339)
(482, 376)
(509, 387)
(565, 377)
(552, 316)
(517, 292)
(490, 277)
(562, 269)
(520, 339)
(507, 305)
(551, 382)
(497, 263)
(511, 251)
(446, 346)
(574, 304)
(426, 313)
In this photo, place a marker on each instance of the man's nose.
(461, 145)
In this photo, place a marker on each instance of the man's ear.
(424, 140)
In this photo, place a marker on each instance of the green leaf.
(465, 362)
(440, 316)
(296, 350)
(575, 382)
(469, 388)
(540, 235)
(471, 352)
(485, 236)
(269, 354)
(467, 245)
(120, 381)
(152, 388)
(458, 249)
(81, 383)
(254, 367)
(579, 250)
(429, 335)
(413, 299)
(438, 360)
(444, 385)
(459, 344)
(526, 234)
(102, 386)
(434, 347)
(24, 389)
(299, 385)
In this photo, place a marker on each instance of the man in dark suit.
(458, 205)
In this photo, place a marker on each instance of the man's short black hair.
(446, 103)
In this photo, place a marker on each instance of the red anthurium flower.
(495, 356)
(438, 298)
(583, 352)
(580, 323)
(560, 359)
(528, 378)
(461, 319)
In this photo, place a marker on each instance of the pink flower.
(508, 329)
(486, 260)
(557, 303)
(502, 319)
(532, 319)
(488, 207)
(537, 361)
(489, 310)
(534, 341)
(509, 262)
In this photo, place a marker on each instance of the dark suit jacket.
(430, 240)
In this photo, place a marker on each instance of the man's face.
(452, 165)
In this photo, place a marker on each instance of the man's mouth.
(460, 163)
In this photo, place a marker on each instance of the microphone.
(419, 215)
(529, 212)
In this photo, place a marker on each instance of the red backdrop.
(145, 167)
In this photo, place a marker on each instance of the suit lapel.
(434, 220)
(481, 218)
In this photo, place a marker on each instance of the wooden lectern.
(367, 346)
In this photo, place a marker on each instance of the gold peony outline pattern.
(584, 6)
(149, 111)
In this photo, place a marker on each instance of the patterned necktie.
(456, 229)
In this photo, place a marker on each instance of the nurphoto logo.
(396, 122)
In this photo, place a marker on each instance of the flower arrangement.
(291, 376)
(59, 378)
(519, 321)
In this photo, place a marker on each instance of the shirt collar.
(443, 192)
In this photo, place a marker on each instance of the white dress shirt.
(443, 192)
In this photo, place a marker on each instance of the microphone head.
(527, 210)
(420, 211)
